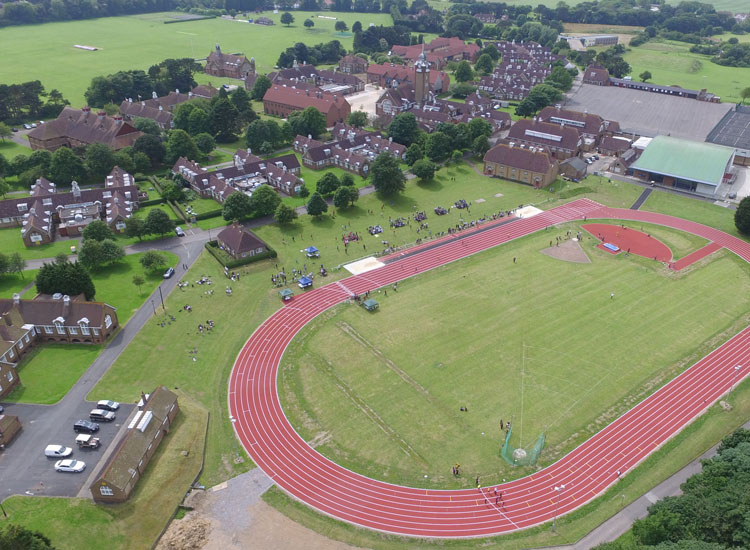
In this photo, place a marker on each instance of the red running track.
(586, 471)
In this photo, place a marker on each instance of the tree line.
(29, 101)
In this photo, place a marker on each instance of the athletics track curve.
(586, 472)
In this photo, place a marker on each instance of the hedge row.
(151, 202)
(191, 19)
(227, 261)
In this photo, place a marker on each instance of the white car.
(70, 465)
(107, 405)
(57, 451)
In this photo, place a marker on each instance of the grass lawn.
(10, 283)
(201, 206)
(671, 63)
(143, 212)
(135, 524)
(10, 149)
(212, 223)
(139, 41)
(146, 187)
(10, 242)
(537, 333)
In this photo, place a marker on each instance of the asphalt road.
(23, 467)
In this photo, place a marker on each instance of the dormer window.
(22, 206)
(84, 326)
(59, 325)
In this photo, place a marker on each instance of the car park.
(57, 451)
(179, 232)
(85, 426)
(70, 465)
(169, 272)
(107, 405)
(99, 415)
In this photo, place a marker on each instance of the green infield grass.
(139, 41)
(538, 341)
(671, 63)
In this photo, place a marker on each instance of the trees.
(97, 230)
(93, 253)
(262, 83)
(345, 196)
(287, 18)
(341, 26)
(236, 207)
(438, 146)
(358, 119)
(742, 216)
(66, 166)
(66, 278)
(224, 120)
(205, 143)
(539, 97)
(5, 131)
(413, 154)
(403, 128)
(158, 222)
(485, 64)
(264, 201)
(15, 537)
(480, 145)
(135, 227)
(491, 50)
(357, 27)
(479, 127)
(308, 25)
(317, 206)
(172, 191)
(560, 79)
(347, 180)
(198, 120)
(180, 144)
(386, 175)
(644, 76)
(745, 94)
(264, 131)
(423, 169)
(462, 89)
(463, 72)
(147, 126)
(100, 160)
(328, 184)
(4, 187)
(152, 147)
(153, 260)
(309, 121)
(241, 101)
(285, 214)
(138, 281)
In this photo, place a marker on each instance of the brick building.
(239, 242)
(352, 64)
(531, 166)
(281, 101)
(560, 141)
(228, 65)
(74, 128)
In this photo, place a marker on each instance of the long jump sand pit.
(568, 251)
(363, 266)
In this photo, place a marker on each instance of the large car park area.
(24, 468)
(648, 114)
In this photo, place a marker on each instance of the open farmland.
(139, 41)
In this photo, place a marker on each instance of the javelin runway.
(586, 472)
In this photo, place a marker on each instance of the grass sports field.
(139, 41)
(671, 63)
(539, 341)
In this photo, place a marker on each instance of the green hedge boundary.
(152, 202)
(227, 261)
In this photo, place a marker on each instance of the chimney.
(86, 109)
(177, 90)
(66, 305)
(143, 103)
(16, 298)
(161, 108)
(101, 114)
(154, 96)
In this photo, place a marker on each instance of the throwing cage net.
(520, 456)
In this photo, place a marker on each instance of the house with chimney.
(240, 242)
(353, 64)
(161, 109)
(390, 75)
(228, 65)
(46, 211)
(596, 75)
(592, 128)
(529, 165)
(126, 465)
(81, 127)
(561, 142)
(281, 101)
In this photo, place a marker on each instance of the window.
(96, 331)
(47, 329)
(73, 330)
(107, 321)
(20, 344)
(10, 376)
(85, 330)
(11, 353)
(22, 207)
(60, 328)
(26, 338)
(106, 491)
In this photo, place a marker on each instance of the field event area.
(139, 41)
(554, 346)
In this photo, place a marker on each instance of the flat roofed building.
(683, 164)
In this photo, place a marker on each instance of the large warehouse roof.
(734, 129)
(684, 159)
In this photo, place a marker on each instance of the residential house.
(126, 465)
(239, 242)
(74, 128)
(352, 64)
(281, 101)
(614, 145)
(263, 21)
(228, 65)
(522, 66)
(574, 168)
(596, 75)
(561, 141)
(531, 166)
(9, 427)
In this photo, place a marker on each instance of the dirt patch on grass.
(568, 251)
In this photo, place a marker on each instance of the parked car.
(33, 124)
(107, 405)
(169, 272)
(87, 441)
(178, 230)
(731, 195)
(27, 126)
(14, 129)
(595, 157)
(57, 451)
(85, 426)
(70, 465)
(99, 415)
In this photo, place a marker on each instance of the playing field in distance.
(540, 341)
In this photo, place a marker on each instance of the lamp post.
(559, 490)
(734, 378)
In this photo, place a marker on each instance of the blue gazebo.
(312, 252)
(305, 282)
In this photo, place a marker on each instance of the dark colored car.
(100, 415)
(86, 427)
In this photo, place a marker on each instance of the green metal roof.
(684, 159)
